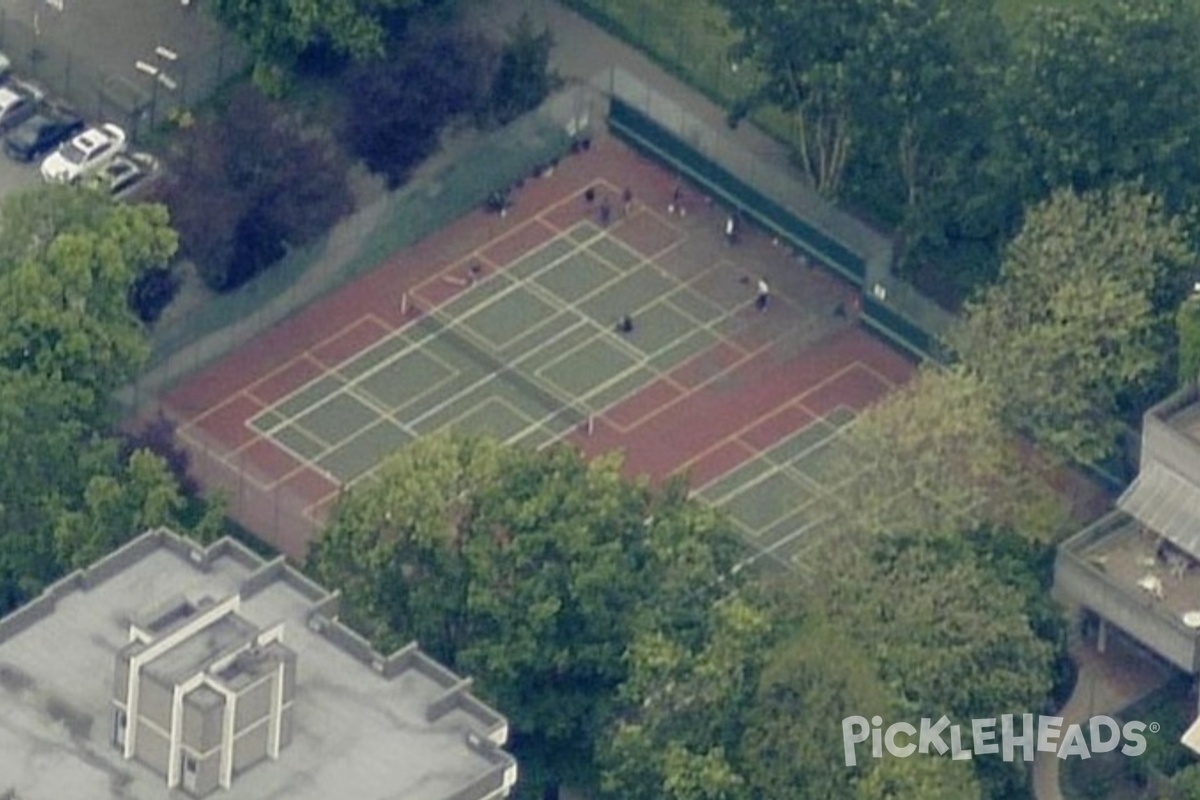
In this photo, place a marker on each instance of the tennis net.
(561, 412)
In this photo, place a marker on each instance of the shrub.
(398, 106)
(249, 182)
(152, 292)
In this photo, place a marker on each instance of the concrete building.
(169, 670)
(1138, 568)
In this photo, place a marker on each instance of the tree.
(817, 677)
(523, 78)
(927, 777)
(397, 106)
(873, 87)
(948, 636)
(247, 184)
(804, 52)
(139, 495)
(1184, 784)
(1105, 93)
(1074, 320)
(924, 116)
(941, 461)
(678, 729)
(67, 262)
(532, 571)
(278, 32)
(68, 338)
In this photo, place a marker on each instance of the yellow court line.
(773, 468)
(748, 355)
(235, 467)
(307, 354)
(488, 400)
(799, 399)
(486, 379)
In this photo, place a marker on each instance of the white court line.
(776, 464)
(484, 403)
(641, 360)
(513, 285)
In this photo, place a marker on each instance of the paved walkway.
(1107, 683)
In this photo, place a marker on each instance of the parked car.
(124, 175)
(84, 153)
(16, 106)
(40, 133)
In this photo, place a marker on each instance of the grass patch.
(691, 40)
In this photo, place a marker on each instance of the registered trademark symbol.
(1154, 727)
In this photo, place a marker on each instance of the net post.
(404, 304)
(591, 424)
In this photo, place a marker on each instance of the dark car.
(16, 106)
(40, 133)
(124, 175)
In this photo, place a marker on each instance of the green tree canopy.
(927, 777)
(681, 705)
(813, 680)
(280, 31)
(891, 103)
(69, 493)
(1105, 92)
(532, 571)
(805, 52)
(948, 635)
(1184, 784)
(751, 710)
(67, 262)
(936, 457)
(1079, 316)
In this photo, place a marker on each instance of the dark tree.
(152, 292)
(397, 107)
(523, 78)
(248, 183)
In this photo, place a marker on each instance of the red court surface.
(765, 377)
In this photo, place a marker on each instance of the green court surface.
(528, 354)
(783, 501)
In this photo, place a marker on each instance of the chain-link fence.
(131, 62)
(275, 511)
(773, 191)
(768, 174)
(468, 173)
(689, 37)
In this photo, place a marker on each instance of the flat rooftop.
(1133, 557)
(1187, 421)
(365, 727)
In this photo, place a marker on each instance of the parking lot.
(98, 58)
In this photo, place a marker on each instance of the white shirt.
(762, 287)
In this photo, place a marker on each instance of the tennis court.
(527, 353)
(508, 326)
(783, 502)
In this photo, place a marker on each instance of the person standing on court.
(676, 201)
(764, 294)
